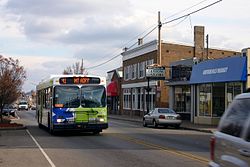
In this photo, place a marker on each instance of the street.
(124, 143)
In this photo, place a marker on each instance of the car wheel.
(144, 123)
(155, 124)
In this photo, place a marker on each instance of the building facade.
(209, 86)
(114, 79)
(135, 61)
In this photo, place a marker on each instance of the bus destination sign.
(79, 80)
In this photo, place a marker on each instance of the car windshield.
(73, 96)
(166, 111)
(8, 106)
(23, 103)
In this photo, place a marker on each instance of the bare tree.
(12, 76)
(76, 68)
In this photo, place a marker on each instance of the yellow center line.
(162, 148)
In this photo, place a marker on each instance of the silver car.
(162, 116)
(230, 145)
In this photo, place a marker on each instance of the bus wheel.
(97, 132)
(40, 125)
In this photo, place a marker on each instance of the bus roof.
(54, 80)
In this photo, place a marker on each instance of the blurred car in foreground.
(9, 110)
(162, 116)
(230, 144)
(33, 107)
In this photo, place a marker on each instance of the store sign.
(180, 73)
(155, 72)
(215, 71)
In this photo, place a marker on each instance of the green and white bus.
(72, 102)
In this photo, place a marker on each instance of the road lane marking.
(41, 149)
(162, 148)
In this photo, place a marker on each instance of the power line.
(185, 9)
(104, 62)
(183, 16)
(192, 12)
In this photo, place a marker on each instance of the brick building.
(134, 81)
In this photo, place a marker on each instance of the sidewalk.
(185, 123)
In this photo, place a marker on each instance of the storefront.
(214, 84)
(179, 87)
(113, 98)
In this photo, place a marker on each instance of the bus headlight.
(101, 119)
(60, 120)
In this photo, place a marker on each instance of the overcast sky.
(49, 35)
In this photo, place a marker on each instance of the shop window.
(126, 98)
(151, 99)
(233, 89)
(218, 99)
(182, 101)
(205, 100)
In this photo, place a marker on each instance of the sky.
(49, 35)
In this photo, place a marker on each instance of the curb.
(199, 130)
(13, 128)
(182, 127)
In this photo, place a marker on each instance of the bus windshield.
(73, 96)
(93, 96)
(67, 97)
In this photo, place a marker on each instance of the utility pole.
(207, 44)
(159, 62)
(159, 38)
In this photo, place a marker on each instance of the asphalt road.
(122, 144)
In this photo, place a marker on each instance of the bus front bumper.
(80, 127)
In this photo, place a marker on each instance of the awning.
(220, 70)
(112, 89)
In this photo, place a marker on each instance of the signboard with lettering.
(79, 80)
(155, 72)
(180, 73)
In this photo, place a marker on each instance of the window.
(149, 62)
(233, 89)
(151, 99)
(205, 100)
(218, 102)
(126, 73)
(182, 101)
(130, 72)
(134, 71)
(48, 98)
(142, 99)
(134, 100)
(235, 117)
(93, 96)
(141, 69)
(126, 98)
(67, 96)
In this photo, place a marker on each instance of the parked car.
(162, 116)
(23, 105)
(230, 144)
(9, 110)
